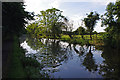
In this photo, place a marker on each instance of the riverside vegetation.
(51, 24)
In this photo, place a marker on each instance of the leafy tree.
(14, 18)
(81, 31)
(90, 22)
(36, 30)
(95, 32)
(111, 19)
(51, 19)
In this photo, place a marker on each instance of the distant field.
(85, 36)
(78, 39)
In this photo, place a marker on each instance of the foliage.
(111, 19)
(14, 18)
(95, 32)
(90, 21)
(80, 31)
(51, 20)
(110, 68)
(16, 69)
(36, 31)
(80, 41)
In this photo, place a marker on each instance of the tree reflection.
(51, 53)
(81, 50)
(35, 44)
(110, 67)
(89, 62)
(87, 59)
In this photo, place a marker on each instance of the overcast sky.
(75, 10)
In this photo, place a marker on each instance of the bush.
(79, 41)
(28, 61)
(33, 72)
(110, 41)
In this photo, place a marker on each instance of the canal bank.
(12, 65)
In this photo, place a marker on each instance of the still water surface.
(64, 60)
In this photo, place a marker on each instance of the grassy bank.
(21, 66)
(16, 69)
(77, 39)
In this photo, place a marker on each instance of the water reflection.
(87, 57)
(111, 66)
(50, 53)
(60, 59)
(81, 50)
(89, 62)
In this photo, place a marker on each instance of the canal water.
(64, 60)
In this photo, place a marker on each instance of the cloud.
(55, 3)
(74, 12)
(44, 4)
(37, 5)
(103, 2)
(98, 27)
(89, 0)
(77, 20)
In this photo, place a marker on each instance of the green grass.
(21, 66)
(88, 36)
(77, 39)
(16, 69)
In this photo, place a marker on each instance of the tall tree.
(111, 19)
(51, 19)
(90, 22)
(14, 18)
(95, 32)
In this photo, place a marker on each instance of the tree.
(95, 32)
(51, 19)
(14, 18)
(81, 31)
(111, 19)
(90, 21)
(36, 30)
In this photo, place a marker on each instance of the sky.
(74, 10)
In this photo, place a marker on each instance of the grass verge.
(16, 69)
(21, 66)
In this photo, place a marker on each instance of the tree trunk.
(54, 36)
(90, 49)
(70, 46)
(96, 35)
(70, 36)
(82, 37)
(90, 36)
